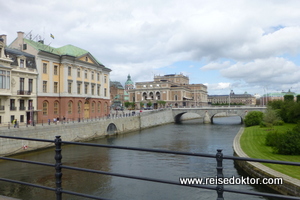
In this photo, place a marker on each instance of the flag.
(51, 35)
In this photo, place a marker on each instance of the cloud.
(216, 65)
(271, 71)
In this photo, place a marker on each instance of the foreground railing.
(59, 166)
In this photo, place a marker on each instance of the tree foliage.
(287, 143)
(253, 118)
(288, 111)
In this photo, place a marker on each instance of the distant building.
(71, 83)
(117, 95)
(275, 96)
(233, 99)
(129, 85)
(174, 89)
(18, 79)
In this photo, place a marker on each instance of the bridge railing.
(59, 191)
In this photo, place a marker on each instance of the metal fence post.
(219, 158)
(58, 173)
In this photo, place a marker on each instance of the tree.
(253, 118)
(288, 97)
(271, 116)
(149, 104)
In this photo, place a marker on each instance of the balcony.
(22, 108)
(24, 92)
(13, 108)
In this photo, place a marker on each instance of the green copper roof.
(69, 49)
(129, 81)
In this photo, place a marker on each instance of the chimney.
(4, 39)
(20, 35)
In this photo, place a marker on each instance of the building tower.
(129, 84)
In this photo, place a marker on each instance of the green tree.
(288, 97)
(271, 116)
(253, 118)
(149, 104)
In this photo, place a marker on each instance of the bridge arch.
(214, 115)
(111, 129)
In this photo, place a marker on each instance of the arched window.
(144, 96)
(105, 107)
(151, 95)
(70, 107)
(99, 106)
(56, 107)
(157, 96)
(93, 107)
(45, 108)
(79, 107)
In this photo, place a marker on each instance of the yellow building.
(174, 89)
(18, 78)
(72, 83)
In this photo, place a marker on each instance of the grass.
(253, 144)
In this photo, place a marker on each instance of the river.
(190, 136)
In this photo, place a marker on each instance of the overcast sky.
(248, 46)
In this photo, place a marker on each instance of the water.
(190, 136)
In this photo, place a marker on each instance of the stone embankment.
(291, 186)
(78, 131)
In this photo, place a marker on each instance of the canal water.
(190, 136)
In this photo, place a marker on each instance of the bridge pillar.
(206, 119)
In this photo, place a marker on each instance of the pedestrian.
(15, 123)
(54, 120)
(48, 121)
(64, 119)
(57, 119)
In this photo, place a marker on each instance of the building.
(232, 99)
(18, 78)
(71, 83)
(117, 95)
(173, 89)
(275, 96)
(129, 85)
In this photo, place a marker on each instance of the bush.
(265, 124)
(253, 118)
(287, 143)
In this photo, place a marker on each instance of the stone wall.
(82, 131)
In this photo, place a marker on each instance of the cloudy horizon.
(244, 46)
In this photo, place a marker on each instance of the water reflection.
(190, 136)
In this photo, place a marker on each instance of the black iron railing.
(59, 167)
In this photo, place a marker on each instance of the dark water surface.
(190, 136)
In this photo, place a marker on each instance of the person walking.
(15, 123)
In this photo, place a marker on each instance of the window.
(44, 86)
(99, 105)
(21, 63)
(85, 88)
(45, 108)
(105, 92)
(69, 71)
(79, 107)
(93, 107)
(55, 69)
(45, 68)
(93, 75)
(55, 88)
(70, 107)
(69, 87)
(56, 107)
(93, 89)
(22, 84)
(98, 90)
(78, 88)
(22, 104)
(104, 79)
(98, 76)
(12, 104)
(78, 72)
(85, 74)
(30, 85)
(4, 79)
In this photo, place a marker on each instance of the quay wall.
(78, 131)
(291, 186)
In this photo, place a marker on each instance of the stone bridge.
(208, 113)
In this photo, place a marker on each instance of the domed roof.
(129, 81)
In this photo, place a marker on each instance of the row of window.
(70, 107)
(86, 88)
(45, 71)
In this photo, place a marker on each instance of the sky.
(248, 46)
